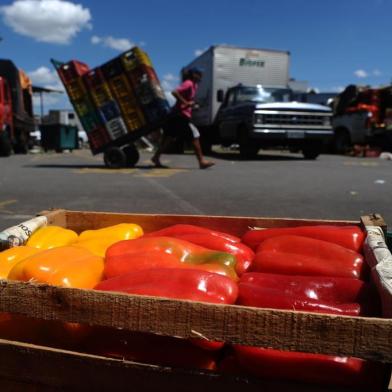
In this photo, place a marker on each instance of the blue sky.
(332, 43)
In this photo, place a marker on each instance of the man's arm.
(179, 97)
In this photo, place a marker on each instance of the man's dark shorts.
(180, 127)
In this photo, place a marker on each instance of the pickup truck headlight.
(258, 119)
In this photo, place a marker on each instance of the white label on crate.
(116, 128)
(18, 235)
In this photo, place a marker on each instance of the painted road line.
(7, 202)
(366, 164)
(160, 173)
(182, 205)
(4, 204)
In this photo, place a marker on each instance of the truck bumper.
(291, 136)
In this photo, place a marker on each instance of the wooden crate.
(30, 367)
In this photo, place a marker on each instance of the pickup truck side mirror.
(220, 95)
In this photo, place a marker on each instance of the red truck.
(16, 109)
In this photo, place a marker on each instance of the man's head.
(195, 74)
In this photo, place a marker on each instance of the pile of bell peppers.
(309, 268)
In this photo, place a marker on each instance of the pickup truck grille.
(293, 119)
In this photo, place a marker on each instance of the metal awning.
(41, 91)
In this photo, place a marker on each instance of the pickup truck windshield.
(262, 95)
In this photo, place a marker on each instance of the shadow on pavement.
(73, 167)
(270, 156)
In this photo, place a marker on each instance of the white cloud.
(361, 74)
(45, 77)
(53, 21)
(169, 82)
(170, 77)
(120, 44)
(377, 72)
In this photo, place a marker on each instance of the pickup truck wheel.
(132, 155)
(115, 158)
(248, 149)
(311, 150)
(5, 144)
(342, 142)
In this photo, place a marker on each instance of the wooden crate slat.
(81, 220)
(368, 338)
(28, 367)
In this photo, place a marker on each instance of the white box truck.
(244, 99)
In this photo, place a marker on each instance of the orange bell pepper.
(49, 237)
(66, 266)
(13, 256)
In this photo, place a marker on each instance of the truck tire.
(5, 144)
(248, 147)
(132, 155)
(311, 150)
(115, 158)
(342, 142)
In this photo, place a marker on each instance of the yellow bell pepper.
(66, 266)
(98, 245)
(13, 256)
(122, 231)
(49, 237)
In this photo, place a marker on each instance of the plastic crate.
(98, 138)
(109, 111)
(141, 75)
(72, 70)
(121, 87)
(134, 58)
(148, 93)
(90, 121)
(83, 107)
(112, 68)
(101, 95)
(76, 89)
(94, 79)
(133, 120)
(156, 110)
(116, 128)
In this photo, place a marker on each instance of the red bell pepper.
(312, 368)
(253, 295)
(147, 348)
(350, 237)
(319, 288)
(177, 283)
(126, 256)
(296, 255)
(243, 253)
(181, 229)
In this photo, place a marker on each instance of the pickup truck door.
(227, 118)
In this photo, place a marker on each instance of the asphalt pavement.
(276, 184)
